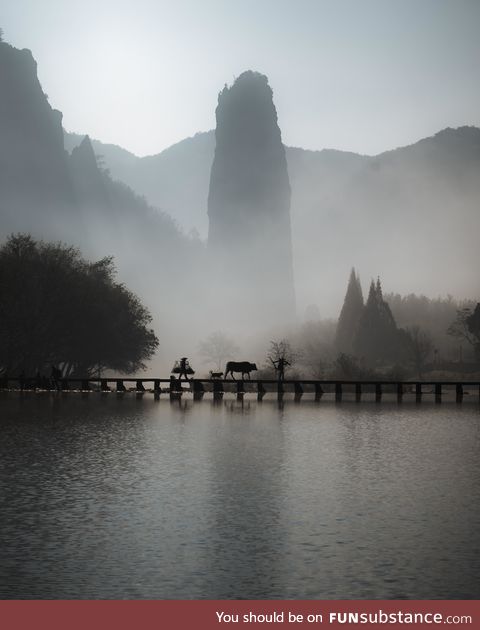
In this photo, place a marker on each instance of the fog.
(233, 230)
(364, 77)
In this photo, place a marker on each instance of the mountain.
(410, 214)
(55, 195)
(34, 179)
(249, 204)
(175, 180)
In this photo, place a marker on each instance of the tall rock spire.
(249, 202)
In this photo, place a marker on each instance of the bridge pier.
(120, 386)
(338, 392)
(399, 392)
(198, 390)
(280, 390)
(438, 392)
(418, 392)
(261, 391)
(378, 392)
(298, 391)
(240, 390)
(459, 392)
(358, 392)
(217, 389)
(318, 391)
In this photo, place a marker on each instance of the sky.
(355, 75)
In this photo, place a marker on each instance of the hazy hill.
(56, 194)
(175, 180)
(410, 215)
(33, 165)
(66, 194)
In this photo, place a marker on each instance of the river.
(122, 497)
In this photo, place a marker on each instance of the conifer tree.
(377, 338)
(349, 315)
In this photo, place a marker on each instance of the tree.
(349, 315)
(467, 327)
(377, 339)
(282, 350)
(419, 347)
(58, 308)
(218, 349)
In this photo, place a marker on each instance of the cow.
(245, 367)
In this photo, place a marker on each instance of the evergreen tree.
(349, 315)
(377, 338)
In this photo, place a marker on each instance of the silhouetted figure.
(280, 366)
(55, 377)
(245, 367)
(183, 368)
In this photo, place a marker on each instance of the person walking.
(185, 369)
(280, 366)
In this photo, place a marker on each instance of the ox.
(245, 367)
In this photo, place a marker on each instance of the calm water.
(122, 498)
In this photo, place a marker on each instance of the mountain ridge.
(423, 197)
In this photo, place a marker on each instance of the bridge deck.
(201, 386)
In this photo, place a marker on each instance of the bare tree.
(281, 355)
(217, 349)
(281, 350)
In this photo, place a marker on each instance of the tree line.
(368, 337)
(370, 332)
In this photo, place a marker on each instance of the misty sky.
(359, 75)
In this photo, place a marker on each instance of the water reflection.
(246, 496)
(114, 497)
